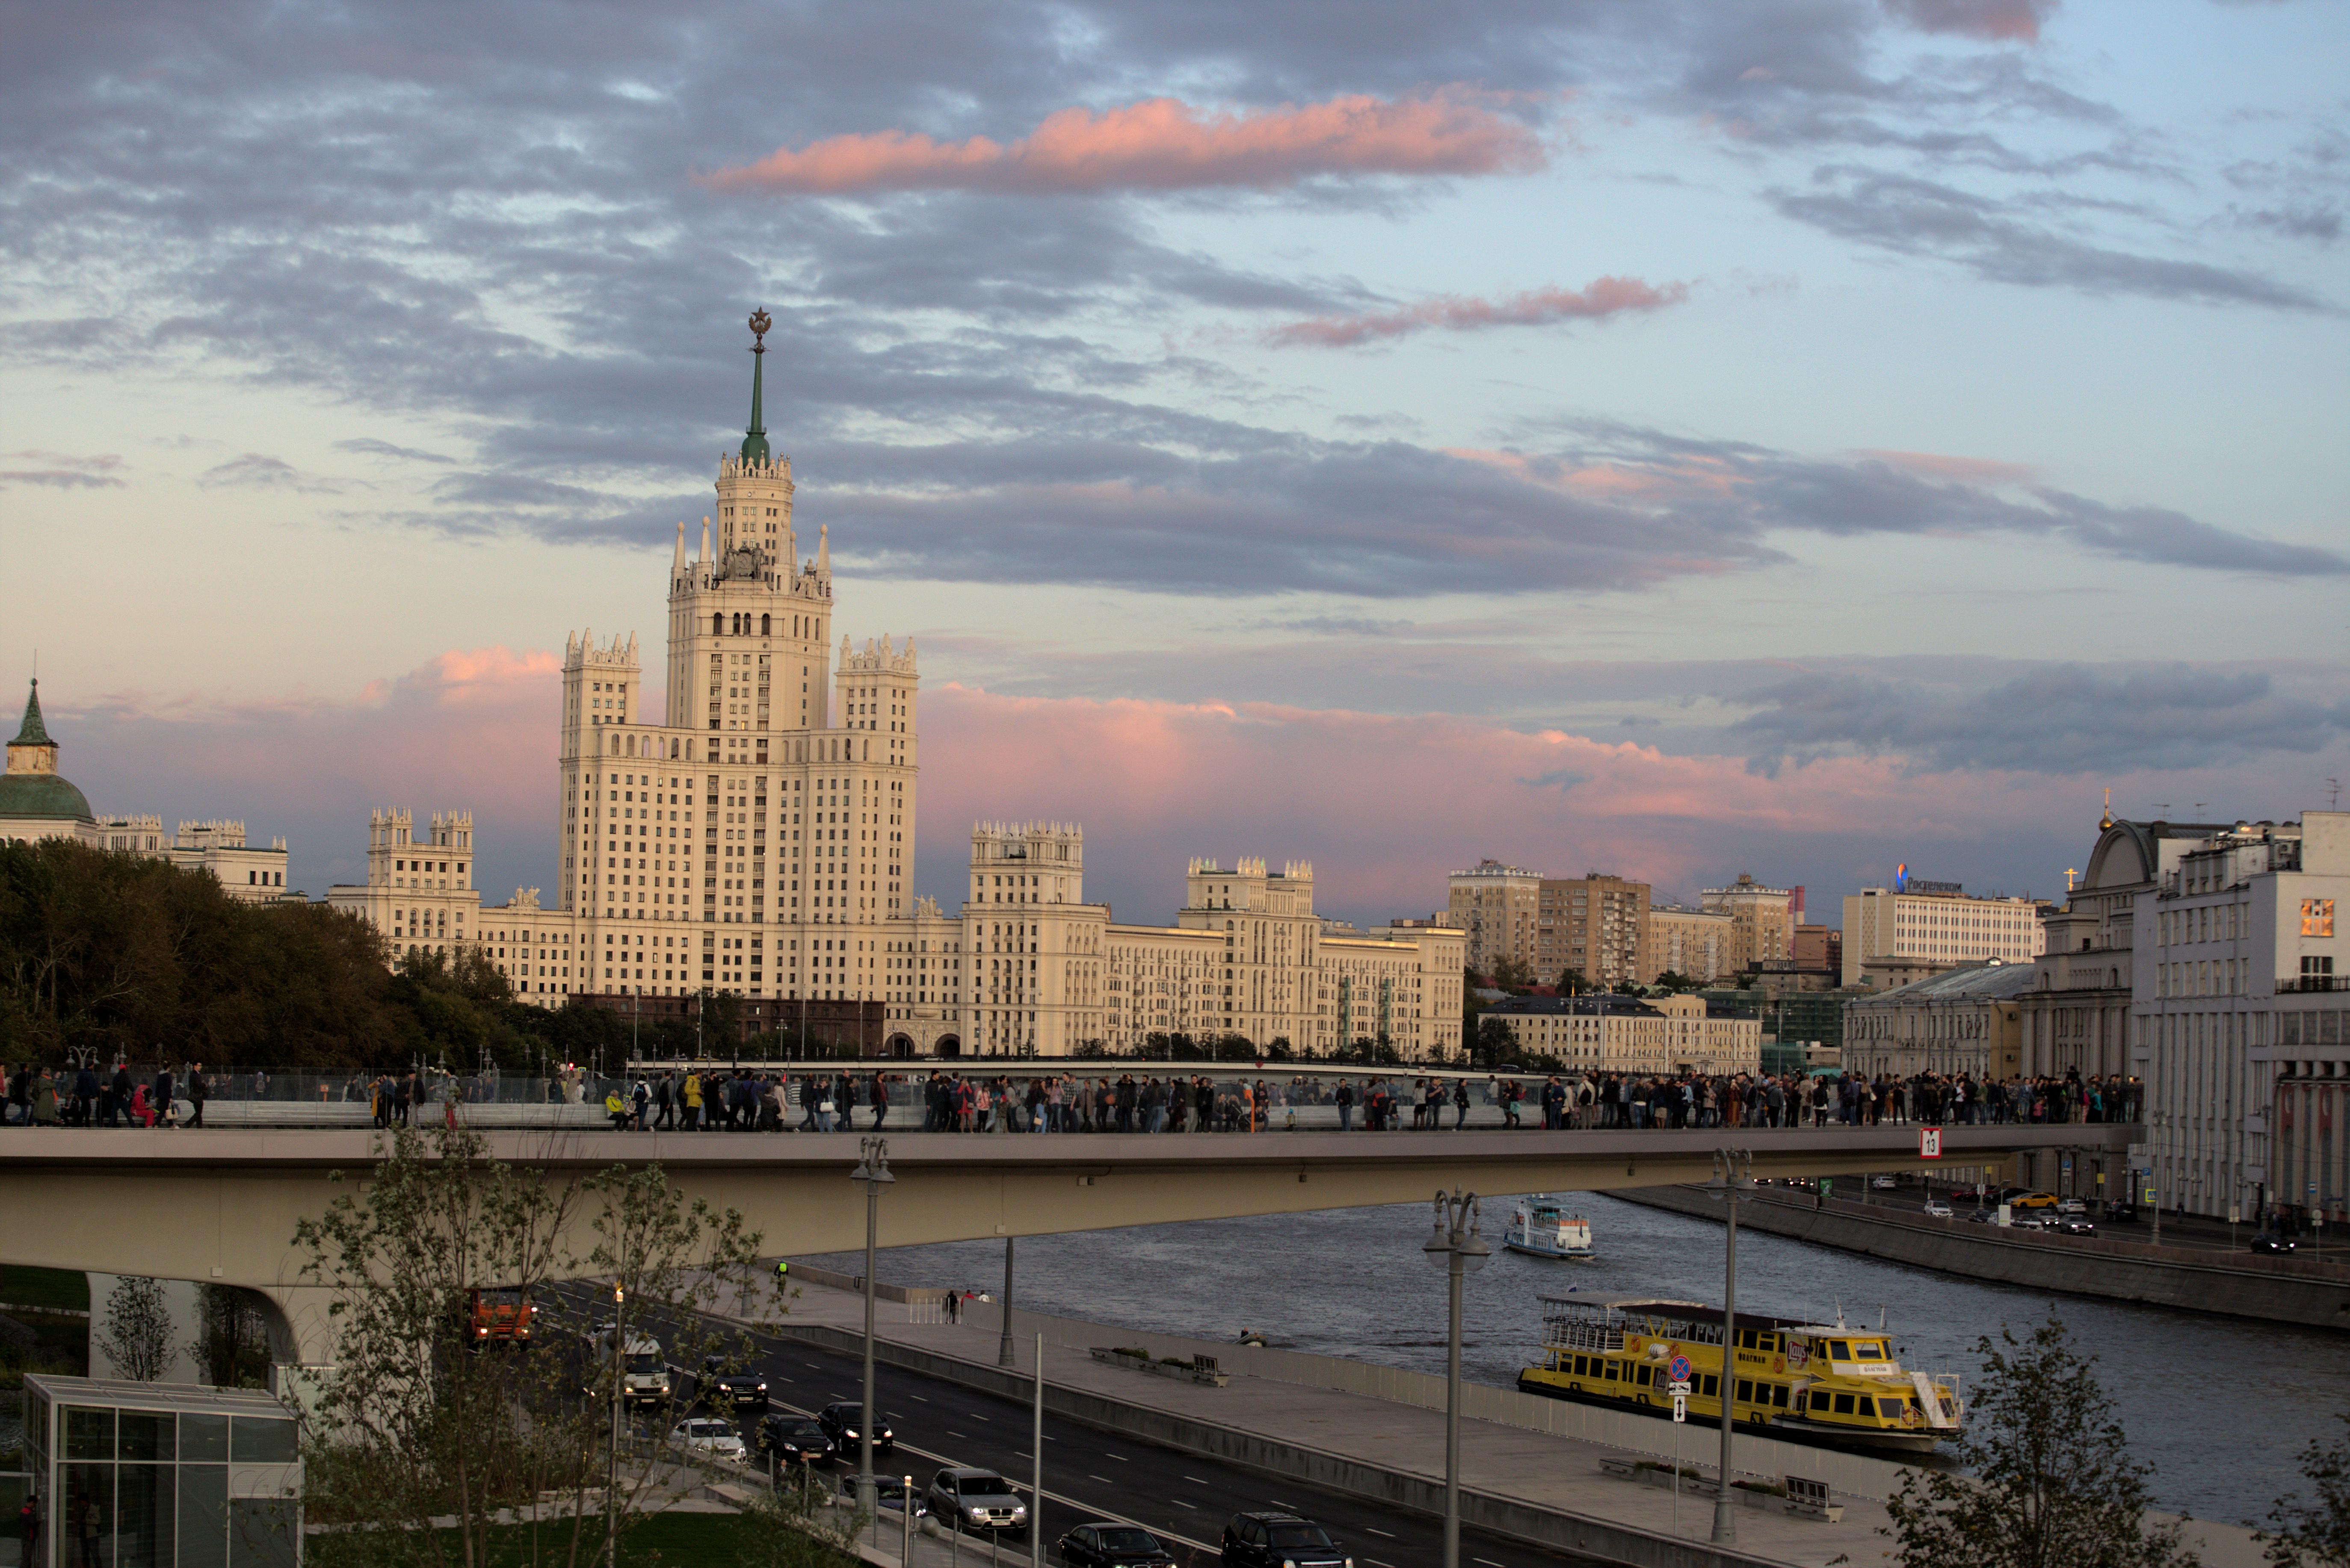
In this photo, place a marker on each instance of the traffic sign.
(2149, 1195)
(1929, 1143)
(1679, 1369)
(1681, 1406)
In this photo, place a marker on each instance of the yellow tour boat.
(1818, 1383)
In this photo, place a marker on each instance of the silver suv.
(976, 1499)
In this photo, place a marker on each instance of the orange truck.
(500, 1315)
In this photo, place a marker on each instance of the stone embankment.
(2236, 1285)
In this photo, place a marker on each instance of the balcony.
(2288, 984)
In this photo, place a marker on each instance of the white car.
(2071, 1206)
(1884, 1183)
(709, 1436)
(1937, 1211)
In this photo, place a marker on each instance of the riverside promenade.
(1542, 1472)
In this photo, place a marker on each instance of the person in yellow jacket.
(693, 1092)
(618, 1109)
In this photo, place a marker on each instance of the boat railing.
(1581, 1334)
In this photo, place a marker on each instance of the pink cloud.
(1595, 301)
(1995, 19)
(1164, 144)
(1383, 804)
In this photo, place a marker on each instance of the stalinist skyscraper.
(759, 841)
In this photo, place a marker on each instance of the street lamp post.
(1457, 1245)
(1732, 1184)
(1004, 1348)
(873, 1170)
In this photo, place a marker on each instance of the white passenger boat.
(1539, 1227)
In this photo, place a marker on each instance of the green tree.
(2051, 1482)
(1570, 982)
(1494, 1043)
(231, 1343)
(427, 1434)
(2314, 1533)
(1513, 975)
(138, 1334)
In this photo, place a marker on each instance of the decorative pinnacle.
(755, 440)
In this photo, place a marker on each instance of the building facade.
(1497, 906)
(1763, 921)
(1914, 929)
(37, 803)
(1662, 1037)
(758, 837)
(1593, 926)
(2239, 1018)
(1967, 1021)
(1685, 941)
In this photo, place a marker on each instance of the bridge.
(221, 1207)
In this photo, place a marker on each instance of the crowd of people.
(953, 1100)
(83, 1096)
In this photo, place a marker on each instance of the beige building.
(1762, 922)
(758, 839)
(1915, 926)
(1966, 1021)
(1663, 1037)
(37, 803)
(1497, 906)
(1593, 925)
(1693, 942)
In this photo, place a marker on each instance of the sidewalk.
(1530, 1469)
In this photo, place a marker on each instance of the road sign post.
(1929, 1143)
(1680, 1369)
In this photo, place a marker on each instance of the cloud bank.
(1163, 144)
(1595, 301)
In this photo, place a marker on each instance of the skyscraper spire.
(754, 441)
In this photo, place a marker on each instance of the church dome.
(31, 788)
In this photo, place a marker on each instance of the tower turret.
(754, 441)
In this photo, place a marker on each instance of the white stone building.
(2240, 1024)
(1914, 928)
(1661, 1036)
(760, 840)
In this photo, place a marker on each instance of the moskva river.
(2219, 1407)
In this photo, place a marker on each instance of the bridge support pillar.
(301, 1339)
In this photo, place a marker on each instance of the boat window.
(1581, 1365)
(1611, 1372)
(1709, 1385)
(1643, 1374)
(1869, 1350)
(1889, 1408)
(1771, 1341)
(1844, 1403)
(1746, 1392)
(1779, 1394)
(1839, 1350)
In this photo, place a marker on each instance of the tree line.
(138, 959)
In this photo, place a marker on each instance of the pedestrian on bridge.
(198, 1092)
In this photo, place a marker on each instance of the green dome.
(41, 795)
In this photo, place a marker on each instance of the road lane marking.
(1375, 1530)
(1121, 1459)
(1180, 1503)
(1488, 1562)
(1195, 1480)
(1103, 1480)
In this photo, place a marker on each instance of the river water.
(2219, 1407)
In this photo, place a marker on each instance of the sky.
(1671, 440)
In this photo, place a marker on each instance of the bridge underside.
(221, 1206)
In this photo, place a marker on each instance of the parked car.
(1883, 1183)
(839, 1420)
(1280, 1541)
(976, 1500)
(2032, 1200)
(1937, 1210)
(2071, 1206)
(2072, 1225)
(794, 1440)
(2121, 1213)
(719, 1383)
(2270, 1243)
(1104, 1544)
(889, 1494)
(710, 1436)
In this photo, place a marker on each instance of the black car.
(793, 1440)
(744, 1390)
(839, 1420)
(2072, 1225)
(2270, 1242)
(1280, 1541)
(964, 1498)
(1106, 1544)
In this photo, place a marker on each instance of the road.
(1091, 1475)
